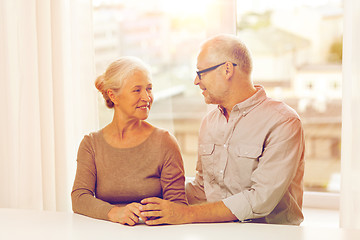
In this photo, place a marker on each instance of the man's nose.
(196, 80)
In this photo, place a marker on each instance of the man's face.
(211, 81)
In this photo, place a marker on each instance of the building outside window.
(297, 51)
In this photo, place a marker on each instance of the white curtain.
(47, 99)
(350, 164)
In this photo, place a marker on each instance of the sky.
(198, 7)
(262, 5)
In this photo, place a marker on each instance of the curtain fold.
(48, 96)
(46, 107)
(350, 160)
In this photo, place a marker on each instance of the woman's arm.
(172, 172)
(83, 193)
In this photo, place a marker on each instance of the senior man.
(251, 149)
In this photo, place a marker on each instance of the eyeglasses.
(211, 68)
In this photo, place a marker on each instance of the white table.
(29, 224)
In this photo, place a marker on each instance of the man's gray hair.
(226, 47)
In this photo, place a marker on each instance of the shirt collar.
(249, 104)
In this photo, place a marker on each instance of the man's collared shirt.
(253, 162)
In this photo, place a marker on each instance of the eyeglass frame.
(211, 68)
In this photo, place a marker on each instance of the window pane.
(297, 52)
(166, 35)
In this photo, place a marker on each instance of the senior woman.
(129, 159)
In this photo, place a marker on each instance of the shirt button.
(221, 171)
(243, 112)
(225, 146)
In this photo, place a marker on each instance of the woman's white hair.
(116, 73)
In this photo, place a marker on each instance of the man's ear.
(229, 70)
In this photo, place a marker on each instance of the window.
(296, 52)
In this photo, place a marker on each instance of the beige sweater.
(108, 176)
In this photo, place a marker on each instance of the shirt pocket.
(247, 160)
(248, 151)
(206, 152)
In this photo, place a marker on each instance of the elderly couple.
(250, 154)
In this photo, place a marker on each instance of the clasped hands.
(153, 211)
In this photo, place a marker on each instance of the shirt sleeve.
(172, 172)
(278, 166)
(83, 192)
(195, 189)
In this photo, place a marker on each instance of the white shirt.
(254, 162)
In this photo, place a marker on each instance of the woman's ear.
(111, 95)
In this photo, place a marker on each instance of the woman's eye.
(137, 90)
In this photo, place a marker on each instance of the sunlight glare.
(186, 7)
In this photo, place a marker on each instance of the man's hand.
(128, 215)
(158, 211)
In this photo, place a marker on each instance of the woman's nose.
(146, 96)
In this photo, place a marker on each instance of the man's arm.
(281, 166)
(168, 212)
(194, 190)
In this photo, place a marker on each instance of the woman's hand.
(128, 215)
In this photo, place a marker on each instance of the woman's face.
(135, 97)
